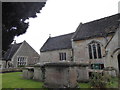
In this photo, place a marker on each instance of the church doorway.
(119, 63)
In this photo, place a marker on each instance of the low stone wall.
(7, 70)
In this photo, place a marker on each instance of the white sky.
(63, 16)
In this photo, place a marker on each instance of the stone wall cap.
(66, 63)
(38, 65)
(29, 68)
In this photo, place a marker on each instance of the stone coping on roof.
(59, 64)
(65, 64)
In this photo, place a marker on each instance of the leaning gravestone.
(83, 73)
(28, 72)
(61, 75)
(110, 71)
(38, 72)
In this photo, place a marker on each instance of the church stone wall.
(113, 50)
(53, 56)
(81, 52)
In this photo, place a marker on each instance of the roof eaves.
(78, 39)
(55, 49)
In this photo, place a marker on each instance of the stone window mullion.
(62, 56)
(99, 51)
(96, 50)
(22, 60)
(65, 56)
(92, 51)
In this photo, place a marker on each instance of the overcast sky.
(63, 16)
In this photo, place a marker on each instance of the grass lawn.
(0, 81)
(15, 80)
(84, 85)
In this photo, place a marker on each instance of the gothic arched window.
(94, 50)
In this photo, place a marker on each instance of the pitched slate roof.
(11, 51)
(57, 43)
(98, 28)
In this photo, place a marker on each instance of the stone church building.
(20, 54)
(95, 42)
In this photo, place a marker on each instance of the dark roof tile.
(11, 51)
(98, 28)
(57, 43)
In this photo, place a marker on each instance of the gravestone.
(39, 72)
(61, 75)
(110, 71)
(83, 73)
(28, 72)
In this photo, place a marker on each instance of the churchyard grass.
(15, 80)
(84, 85)
(0, 81)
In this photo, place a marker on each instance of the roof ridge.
(101, 19)
(62, 35)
